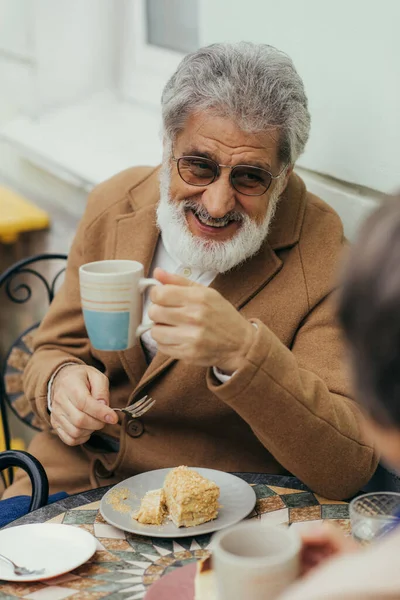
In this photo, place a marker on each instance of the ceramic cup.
(111, 297)
(255, 560)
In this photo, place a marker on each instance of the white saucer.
(55, 548)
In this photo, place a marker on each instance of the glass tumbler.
(374, 515)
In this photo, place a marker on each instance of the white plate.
(237, 500)
(53, 547)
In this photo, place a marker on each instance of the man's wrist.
(233, 364)
(51, 381)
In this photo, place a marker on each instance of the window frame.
(145, 67)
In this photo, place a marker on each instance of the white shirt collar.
(166, 259)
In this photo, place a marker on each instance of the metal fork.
(138, 409)
(21, 570)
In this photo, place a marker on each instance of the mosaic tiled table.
(125, 564)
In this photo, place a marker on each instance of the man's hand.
(197, 325)
(79, 406)
(324, 542)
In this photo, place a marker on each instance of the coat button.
(134, 428)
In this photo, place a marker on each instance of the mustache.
(202, 212)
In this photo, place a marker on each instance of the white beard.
(200, 253)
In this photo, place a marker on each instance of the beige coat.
(287, 410)
(371, 574)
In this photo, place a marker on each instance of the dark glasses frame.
(217, 173)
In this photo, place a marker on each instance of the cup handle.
(144, 283)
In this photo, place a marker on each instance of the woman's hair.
(255, 85)
(370, 313)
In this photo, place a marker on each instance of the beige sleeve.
(61, 337)
(297, 401)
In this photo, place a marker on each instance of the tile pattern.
(125, 564)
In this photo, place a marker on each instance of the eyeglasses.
(245, 179)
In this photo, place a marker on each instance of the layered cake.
(204, 583)
(190, 498)
(152, 508)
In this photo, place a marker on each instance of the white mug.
(255, 560)
(111, 297)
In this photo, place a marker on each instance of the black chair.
(21, 283)
(35, 470)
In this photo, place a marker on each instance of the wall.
(347, 53)
(52, 54)
(16, 58)
(48, 48)
(75, 49)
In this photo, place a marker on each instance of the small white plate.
(237, 500)
(53, 547)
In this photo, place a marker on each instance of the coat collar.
(286, 227)
(137, 236)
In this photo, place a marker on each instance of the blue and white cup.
(112, 303)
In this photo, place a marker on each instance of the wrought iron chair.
(19, 283)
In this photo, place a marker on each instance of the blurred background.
(80, 85)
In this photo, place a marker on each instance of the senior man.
(245, 358)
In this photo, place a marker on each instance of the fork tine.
(145, 408)
(138, 409)
(139, 403)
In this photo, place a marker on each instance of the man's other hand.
(323, 542)
(80, 403)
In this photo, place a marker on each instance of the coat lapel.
(136, 238)
(243, 283)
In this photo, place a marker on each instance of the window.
(172, 24)
(94, 72)
(156, 36)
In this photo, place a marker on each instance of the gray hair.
(254, 84)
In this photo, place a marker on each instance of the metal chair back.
(20, 283)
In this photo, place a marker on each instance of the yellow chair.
(17, 214)
(16, 443)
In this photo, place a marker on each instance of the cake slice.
(190, 498)
(152, 508)
(204, 582)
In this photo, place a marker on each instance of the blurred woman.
(369, 311)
